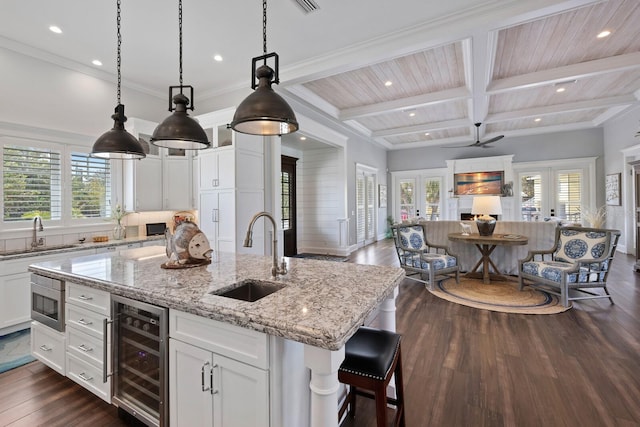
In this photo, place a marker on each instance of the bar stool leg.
(399, 389)
(352, 401)
(381, 404)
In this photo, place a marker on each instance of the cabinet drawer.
(85, 347)
(244, 345)
(89, 298)
(89, 377)
(48, 346)
(85, 320)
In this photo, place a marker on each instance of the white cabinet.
(218, 373)
(231, 185)
(15, 295)
(87, 312)
(48, 346)
(161, 181)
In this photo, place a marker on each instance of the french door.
(419, 196)
(365, 205)
(551, 192)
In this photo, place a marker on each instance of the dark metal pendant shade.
(264, 112)
(179, 130)
(117, 143)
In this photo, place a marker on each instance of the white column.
(388, 312)
(324, 385)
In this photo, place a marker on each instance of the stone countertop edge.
(278, 314)
(82, 246)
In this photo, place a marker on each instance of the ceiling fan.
(478, 143)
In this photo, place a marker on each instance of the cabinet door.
(226, 168)
(177, 184)
(226, 217)
(15, 296)
(208, 211)
(190, 381)
(240, 395)
(148, 185)
(208, 168)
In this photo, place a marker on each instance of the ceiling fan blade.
(489, 141)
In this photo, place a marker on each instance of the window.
(569, 195)
(90, 187)
(31, 183)
(285, 186)
(432, 187)
(407, 203)
(531, 196)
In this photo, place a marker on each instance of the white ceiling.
(452, 63)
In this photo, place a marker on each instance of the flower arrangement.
(595, 218)
(118, 213)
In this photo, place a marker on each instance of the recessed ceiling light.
(388, 83)
(97, 62)
(55, 29)
(217, 58)
(412, 114)
(537, 119)
(603, 34)
(303, 138)
(426, 134)
(561, 89)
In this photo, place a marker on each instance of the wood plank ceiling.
(546, 74)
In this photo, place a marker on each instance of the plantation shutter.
(569, 195)
(360, 207)
(371, 206)
(90, 186)
(31, 183)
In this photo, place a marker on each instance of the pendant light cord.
(119, 60)
(264, 27)
(180, 37)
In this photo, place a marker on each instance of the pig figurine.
(187, 246)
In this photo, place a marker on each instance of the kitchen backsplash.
(135, 225)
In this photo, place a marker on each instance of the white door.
(553, 192)
(190, 383)
(218, 219)
(240, 395)
(365, 207)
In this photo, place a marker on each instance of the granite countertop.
(57, 249)
(322, 303)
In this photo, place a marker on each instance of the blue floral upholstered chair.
(580, 259)
(421, 260)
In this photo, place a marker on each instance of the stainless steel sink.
(37, 250)
(250, 290)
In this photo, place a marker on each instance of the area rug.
(322, 257)
(499, 295)
(15, 350)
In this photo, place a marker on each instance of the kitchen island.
(320, 305)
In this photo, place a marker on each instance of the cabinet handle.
(84, 298)
(105, 372)
(44, 347)
(214, 215)
(84, 322)
(84, 377)
(202, 377)
(215, 367)
(84, 348)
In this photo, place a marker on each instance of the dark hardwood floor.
(462, 366)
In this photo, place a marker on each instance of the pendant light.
(264, 112)
(179, 130)
(117, 143)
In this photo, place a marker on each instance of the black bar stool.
(372, 357)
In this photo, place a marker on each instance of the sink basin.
(251, 291)
(35, 250)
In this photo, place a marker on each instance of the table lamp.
(484, 206)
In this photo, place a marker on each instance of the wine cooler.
(139, 345)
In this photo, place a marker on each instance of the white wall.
(619, 134)
(40, 94)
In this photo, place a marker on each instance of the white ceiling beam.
(449, 95)
(582, 70)
(546, 110)
(426, 127)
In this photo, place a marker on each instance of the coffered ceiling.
(446, 65)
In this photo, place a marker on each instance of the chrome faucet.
(248, 242)
(35, 242)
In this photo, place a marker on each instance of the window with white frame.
(31, 183)
(36, 177)
(90, 186)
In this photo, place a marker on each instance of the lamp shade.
(117, 143)
(179, 130)
(486, 205)
(264, 112)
